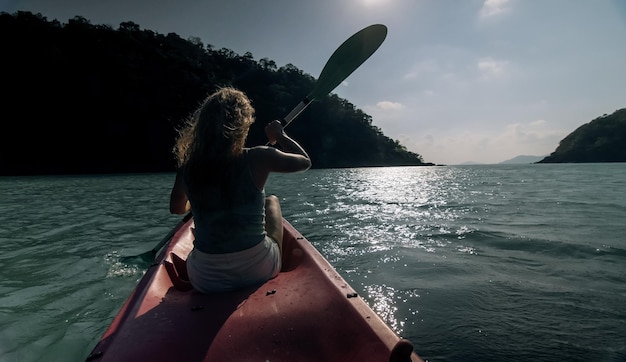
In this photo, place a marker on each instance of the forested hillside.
(601, 140)
(84, 98)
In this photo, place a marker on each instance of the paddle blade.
(347, 58)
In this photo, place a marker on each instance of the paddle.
(149, 255)
(345, 60)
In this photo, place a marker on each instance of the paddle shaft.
(169, 235)
(149, 255)
(343, 62)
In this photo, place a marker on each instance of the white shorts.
(210, 273)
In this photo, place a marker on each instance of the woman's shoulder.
(259, 150)
(263, 156)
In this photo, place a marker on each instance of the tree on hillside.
(601, 140)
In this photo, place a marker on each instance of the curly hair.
(211, 141)
(217, 130)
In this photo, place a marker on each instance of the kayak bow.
(307, 313)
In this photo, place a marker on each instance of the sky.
(455, 81)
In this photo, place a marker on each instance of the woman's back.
(229, 216)
(238, 236)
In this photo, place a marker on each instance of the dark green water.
(472, 263)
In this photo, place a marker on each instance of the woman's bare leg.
(274, 220)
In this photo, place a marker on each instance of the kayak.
(308, 312)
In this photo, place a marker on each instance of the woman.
(238, 231)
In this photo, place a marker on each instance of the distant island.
(601, 140)
(82, 98)
(522, 159)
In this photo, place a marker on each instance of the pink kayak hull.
(307, 313)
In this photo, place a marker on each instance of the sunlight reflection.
(382, 298)
(119, 269)
(360, 211)
(385, 300)
(467, 250)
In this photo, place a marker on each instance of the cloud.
(388, 105)
(524, 138)
(491, 68)
(423, 68)
(492, 8)
(528, 134)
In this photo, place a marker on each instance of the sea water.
(470, 263)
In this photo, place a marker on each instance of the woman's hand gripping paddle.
(345, 60)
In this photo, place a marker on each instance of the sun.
(374, 3)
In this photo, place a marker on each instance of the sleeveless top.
(233, 223)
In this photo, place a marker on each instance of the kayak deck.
(307, 313)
